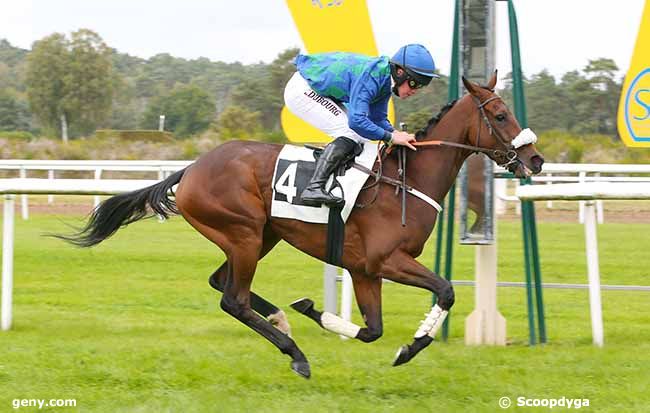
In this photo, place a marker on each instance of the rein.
(510, 155)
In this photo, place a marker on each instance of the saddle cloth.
(293, 171)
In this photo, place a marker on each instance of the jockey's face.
(405, 90)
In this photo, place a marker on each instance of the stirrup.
(325, 198)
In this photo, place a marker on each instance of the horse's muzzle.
(536, 162)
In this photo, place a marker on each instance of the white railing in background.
(12, 187)
(576, 173)
(161, 167)
(589, 192)
(554, 172)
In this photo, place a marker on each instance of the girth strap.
(399, 184)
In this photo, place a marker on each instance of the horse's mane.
(434, 120)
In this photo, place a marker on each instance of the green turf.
(132, 326)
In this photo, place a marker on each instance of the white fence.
(588, 192)
(575, 173)
(22, 166)
(553, 173)
(10, 187)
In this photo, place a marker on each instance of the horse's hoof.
(302, 305)
(302, 368)
(402, 356)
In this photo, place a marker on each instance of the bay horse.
(226, 196)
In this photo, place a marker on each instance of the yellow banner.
(634, 104)
(328, 26)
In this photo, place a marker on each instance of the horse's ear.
(493, 80)
(470, 86)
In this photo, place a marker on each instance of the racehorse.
(226, 196)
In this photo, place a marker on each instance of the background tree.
(188, 110)
(417, 110)
(237, 122)
(70, 82)
(89, 82)
(255, 96)
(14, 113)
(47, 66)
(126, 107)
(280, 71)
(263, 90)
(546, 103)
(12, 66)
(602, 77)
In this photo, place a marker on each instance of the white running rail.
(11, 187)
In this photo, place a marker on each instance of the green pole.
(517, 77)
(537, 273)
(525, 226)
(531, 249)
(452, 94)
(449, 252)
(440, 224)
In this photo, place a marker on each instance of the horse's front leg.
(404, 269)
(367, 290)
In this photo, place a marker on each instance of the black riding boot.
(315, 193)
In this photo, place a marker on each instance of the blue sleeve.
(379, 114)
(359, 110)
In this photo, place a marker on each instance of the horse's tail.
(123, 209)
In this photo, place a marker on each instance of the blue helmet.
(417, 62)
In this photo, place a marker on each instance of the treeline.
(80, 84)
(77, 84)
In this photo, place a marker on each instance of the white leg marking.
(431, 324)
(337, 325)
(279, 320)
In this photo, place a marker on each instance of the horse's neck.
(438, 166)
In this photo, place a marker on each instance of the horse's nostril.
(537, 161)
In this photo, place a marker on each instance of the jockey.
(346, 96)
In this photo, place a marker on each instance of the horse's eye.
(501, 117)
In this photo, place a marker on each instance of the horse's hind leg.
(236, 302)
(276, 316)
(368, 293)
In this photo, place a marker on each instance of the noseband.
(509, 155)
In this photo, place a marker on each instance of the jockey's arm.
(359, 120)
(359, 112)
(379, 114)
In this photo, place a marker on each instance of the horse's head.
(497, 129)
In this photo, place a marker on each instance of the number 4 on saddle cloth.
(293, 171)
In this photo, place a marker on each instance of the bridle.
(506, 157)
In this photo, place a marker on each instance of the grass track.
(132, 326)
